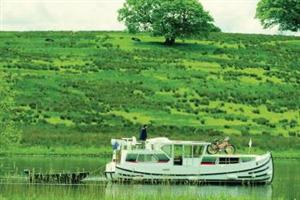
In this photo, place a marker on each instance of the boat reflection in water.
(255, 192)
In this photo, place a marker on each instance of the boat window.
(178, 153)
(246, 159)
(167, 149)
(146, 158)
(150, 158)
(197, 151)
(178, 150)
(208, 161)
(188, 151)
(131, 157)
(162, 157)
(141, 158)
(228, 160)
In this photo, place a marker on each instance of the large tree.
(9, 134)
(285, 13)
(169, 18)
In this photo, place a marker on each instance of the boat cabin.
(176, 153)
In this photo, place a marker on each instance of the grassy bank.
(79, 89)
(106, 152)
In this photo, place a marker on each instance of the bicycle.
(219, 145)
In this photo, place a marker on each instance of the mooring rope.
(97, 170)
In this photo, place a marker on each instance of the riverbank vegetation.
(77, 90)
(9, 133)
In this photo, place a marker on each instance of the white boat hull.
(257, 171)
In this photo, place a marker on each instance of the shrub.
(292, 133)
(261, 121)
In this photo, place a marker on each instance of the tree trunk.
(169, 41)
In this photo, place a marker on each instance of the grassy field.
(78, 89)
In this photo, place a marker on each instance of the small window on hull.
(208, 161)
(246, 159)
(226, 160)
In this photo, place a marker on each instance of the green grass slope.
(82, 88)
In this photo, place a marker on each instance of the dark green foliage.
(9, 134)
(285, 13)
(171, 19)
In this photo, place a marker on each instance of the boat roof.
(164, 140)
(144, 151)
(230, 155)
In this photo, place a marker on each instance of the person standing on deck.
(143, 134)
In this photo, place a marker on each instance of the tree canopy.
(285, 13)
(8, 132)
(169, 18)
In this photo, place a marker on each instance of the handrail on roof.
(167, 141)
(163, 140)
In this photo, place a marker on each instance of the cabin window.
(188, 151)
(197, 151)
(148, 158)
(141, 158)
(178, 153)
(228, 160)
(131, 157)
(208, 161)
(162, 158)
(178, 150)
(167, 149)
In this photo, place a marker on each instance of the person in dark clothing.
(143, 134)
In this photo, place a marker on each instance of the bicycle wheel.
(230, 149)
(212, 149)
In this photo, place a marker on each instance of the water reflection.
(261, 192)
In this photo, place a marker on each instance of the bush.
(292, 134)
(261, 121)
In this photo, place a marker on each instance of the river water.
(286, 183)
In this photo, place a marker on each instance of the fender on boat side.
(272, 167)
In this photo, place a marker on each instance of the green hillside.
(82, 88)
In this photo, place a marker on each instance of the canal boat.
(162, 159)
